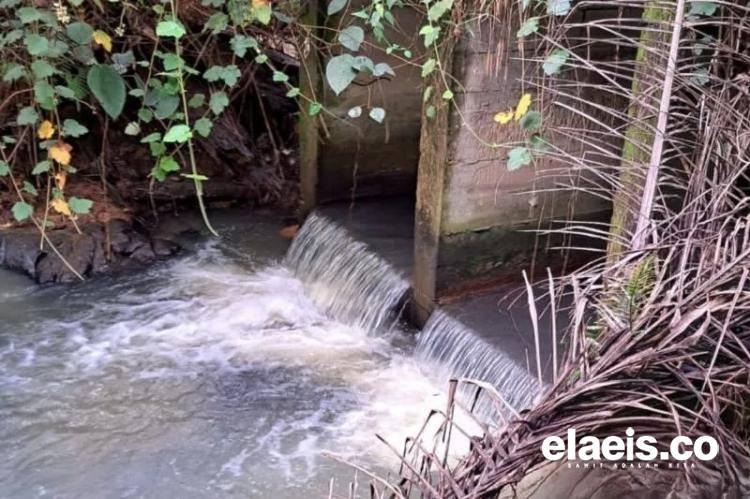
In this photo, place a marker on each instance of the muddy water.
(215, 374)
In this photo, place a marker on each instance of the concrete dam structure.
(477, 222)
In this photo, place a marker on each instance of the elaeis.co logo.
(629, 451)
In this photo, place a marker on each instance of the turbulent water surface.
(224, 372)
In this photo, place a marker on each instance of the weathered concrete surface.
(484, 216)
(358, 157)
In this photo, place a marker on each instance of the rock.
(79, 252)
(19, 250)
(143, 253)
(86, 252)
(164, 248)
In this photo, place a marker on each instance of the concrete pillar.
(474, 215)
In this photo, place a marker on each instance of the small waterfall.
(344, 276)
(458, 352)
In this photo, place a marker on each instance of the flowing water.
(224, 372)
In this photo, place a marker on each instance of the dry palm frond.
(659, 337)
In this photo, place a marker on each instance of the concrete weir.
(476, 223)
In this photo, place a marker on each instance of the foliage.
(67, 60)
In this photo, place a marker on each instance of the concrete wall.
(359, 156)
(475, 232)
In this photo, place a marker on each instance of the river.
(213, 374)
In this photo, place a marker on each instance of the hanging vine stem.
(195, 176)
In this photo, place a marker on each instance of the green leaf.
(241, 43)
(178, 133)
(531, 121)
(44, 94)
(355, 112)
(41, 167)
(28, 116)
(132, 129)
(518, 157)
(22, 210)
(280, 77)
(29, 14)
(203, 126)
(261, 58)
(79, 32)
(218, 102)
(14, 72)
(702, 8)
(335, 6)
(217, 23)
(29, 188)
(170, 29)
(158, 174)
(80, 206)
(430, 112)
(439, 8)
(555, 61)
(263, 13)
(447, 95)
(71, 128)
(109, 89)
(430, 33)
(145, 115)
(42, 68)
(157, 148)
(293, 92)
(228, 74)
(529, 26)
(65, 92)
(428, 67)
(558, 7)
(36, 45)
(363, 63)
(340, 72)
(701, 76)
(382, 69)
(351, 37)
(168, 164)
(172, 62)
(197, 101)
(4, 168)
(377, 114)
(314, 109)
(152, 137)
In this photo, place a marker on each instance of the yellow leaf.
(503, 117)
(103, 39)
(60, 179)
(259, 3)
(60, 152)
(46, 130)
(61, 206)
(523, 106)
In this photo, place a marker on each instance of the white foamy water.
(226, 372)
(341, 275)
(449, 349)
(212, 375)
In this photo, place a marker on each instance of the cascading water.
(455, 351)
(221, 372)
(342, 276)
